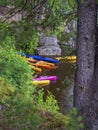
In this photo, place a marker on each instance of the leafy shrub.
(14, 68)
(75, 121)
(19, 35)
(18, 106)
(57, 120)
(49, 104)
(6, 90)
(6, 34)
(26, 37)
(20, 112)
(18, 95)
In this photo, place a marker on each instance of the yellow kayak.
(66, 58)
(39, 70)
(41, 82)
(72, 61)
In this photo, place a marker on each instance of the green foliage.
(20, 111)
(71, 121)
(21, 35)
(23, 105)
(8, 42)
(68, 50)
(50, 104)
(26, 37)
(14, 68)
(66, 81)
(21, 102)
(6, 90)
(6, 36)
(25, 33)
(75, 121)
(72, 3)
(18, 95)
(18, 3)
(3, 2)
(82, 1)
(57, 121)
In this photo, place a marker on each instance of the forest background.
(20, 100)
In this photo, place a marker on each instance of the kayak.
(41, 82)
(31, 60)
(72, 61)
(52, 65)
(51, 78)
(55, 61)
(39, 70)
(66, 58)
(42, 58)
(34, 57)
(42, 66)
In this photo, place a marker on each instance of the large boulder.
(48, 46)
(49, 50)
(48, 41)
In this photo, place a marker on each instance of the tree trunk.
(84, 89)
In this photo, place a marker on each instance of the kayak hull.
(67, 58)
(42, 82)
(42, 66)
(51, 78)
(42, 58)
(39, 70)
(52, 65)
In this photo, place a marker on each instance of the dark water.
(63, 88)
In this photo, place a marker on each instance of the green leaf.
(71, 3)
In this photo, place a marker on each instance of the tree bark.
(84, 89)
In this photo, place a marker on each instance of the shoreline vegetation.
(23, 106)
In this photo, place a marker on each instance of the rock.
(48, 46)
(49, 50)
(45, 41)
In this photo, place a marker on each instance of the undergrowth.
(23, 106)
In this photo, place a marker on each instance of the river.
(62, 89)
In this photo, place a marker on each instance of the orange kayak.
(42, 66)
(37, 69)
(47, 63)
(40, 62)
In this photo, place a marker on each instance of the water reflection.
(61, 89)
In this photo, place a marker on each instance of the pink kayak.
(51, 78)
